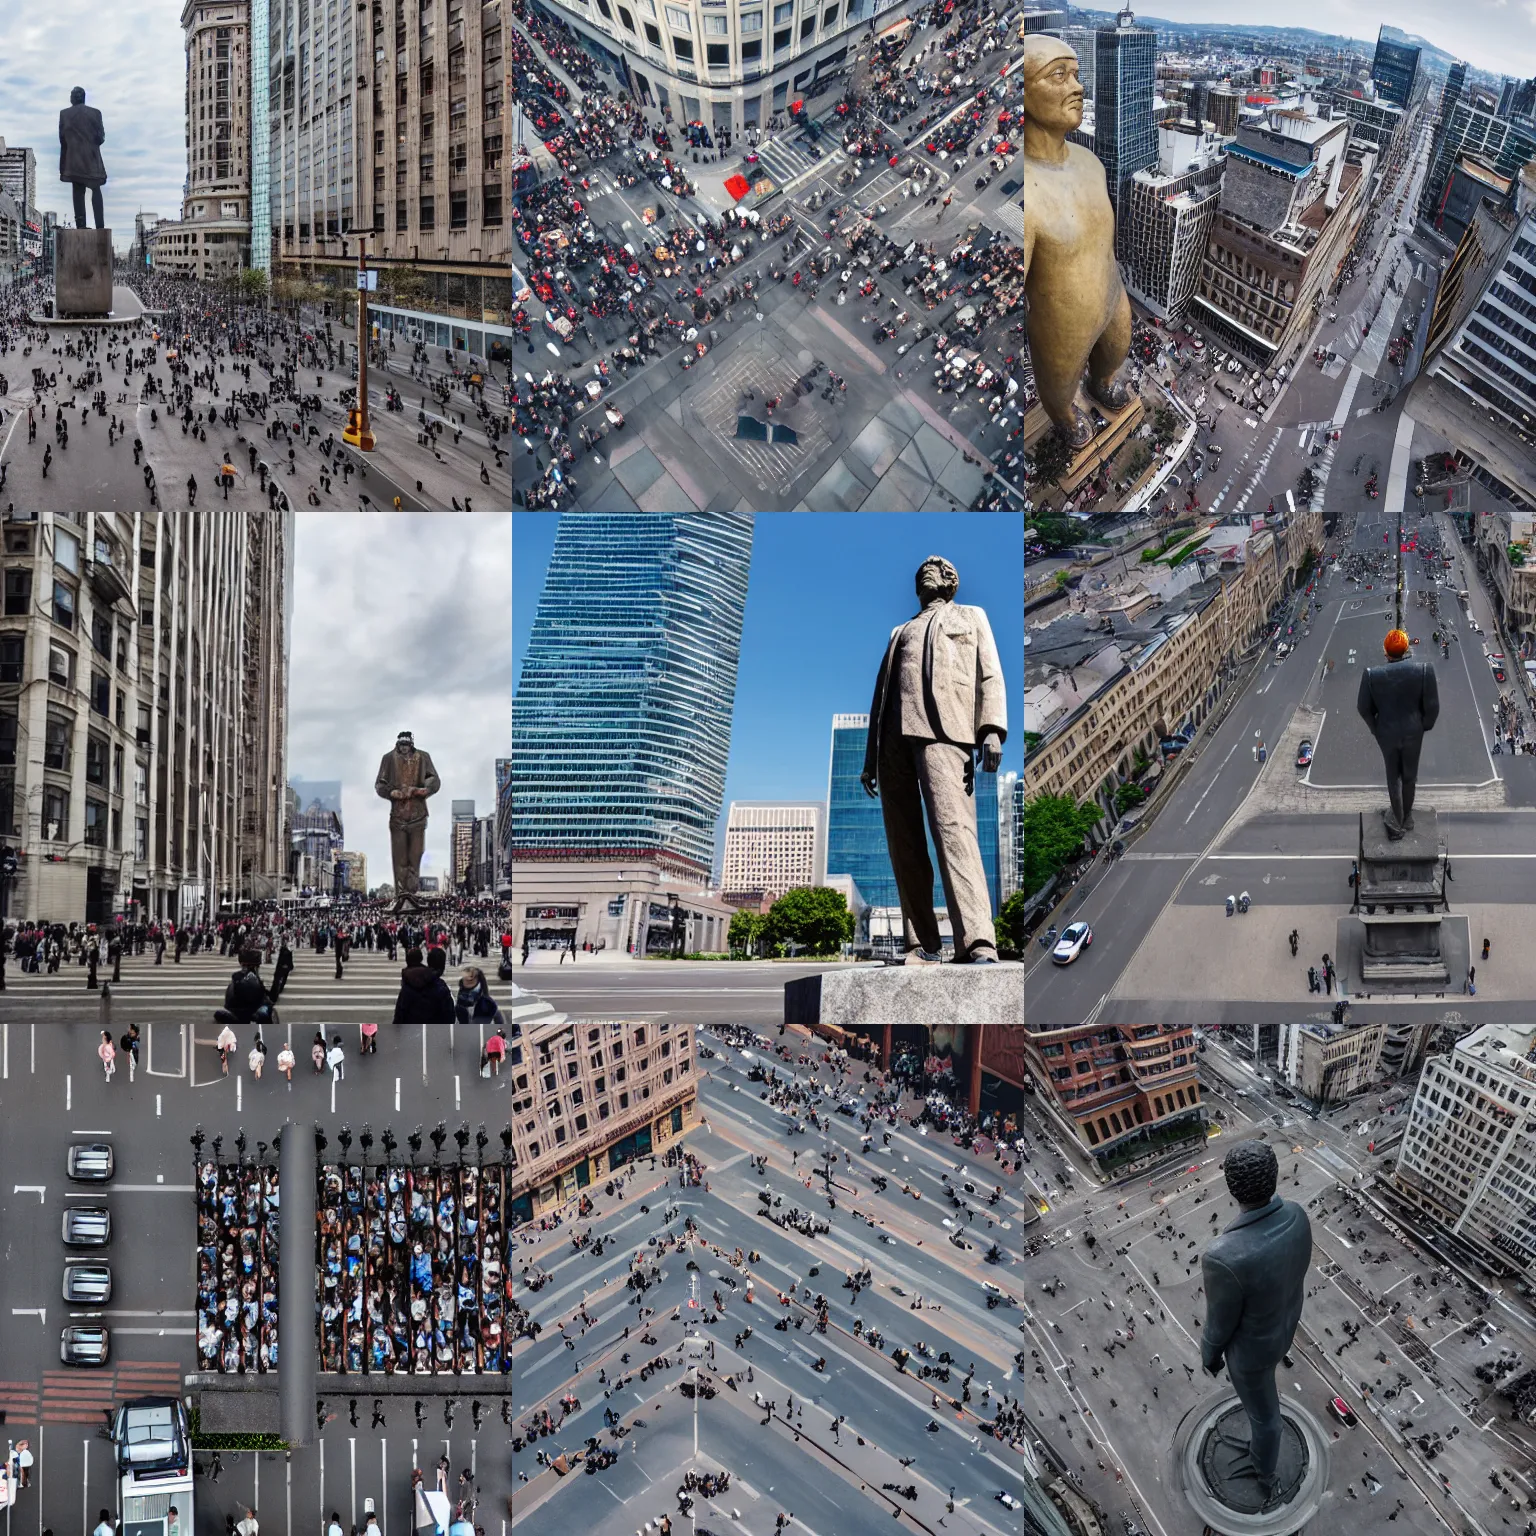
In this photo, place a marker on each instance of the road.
(52, 1092)
(1134, 1291)
(787, 1458)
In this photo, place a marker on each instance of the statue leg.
(901, 808)
(1392, 757)
(1408, 755)
(1257, 1393)
(1057, 380)
(952, 821)
(1109, 352)
(399, 856)
(78, 188)
(96, 208)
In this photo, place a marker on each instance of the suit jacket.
(80, 138)
(406, 812)
(962, 681)
(1399, 700)
(1255, 1275)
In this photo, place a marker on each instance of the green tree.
(408, 285)
(1129, 795)
(1009, 923)
(1054, 829)
(1052, 457)
(1056, 532)
(814, 917)
(253, 285)
(746, 931)
(1164, 423)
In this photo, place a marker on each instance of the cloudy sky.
(1495, 35)
(401, 621)
(130, 59)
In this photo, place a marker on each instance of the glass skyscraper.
(1124, 132)
(1394, 69)
(856, 826)
(621, 724)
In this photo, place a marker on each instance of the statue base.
(1209, 1448)
(909, 994)
(414, 901)
(1099, 449)
(1399, 913)
(82, 273)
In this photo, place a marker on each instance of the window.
(752, 21)
(66, 552)
(715, 26)
(55, 814)
(626, 19)
(9, 725)
(679, 20)
(719, 55)
(602, 5)
(828, 16)
(781, 40)
(683, 48)
(95, 824)
(117, 770)
(807, 27)
(63, 605)
(491, 204)
(18, 541)
(117, 831)
(140, 838)
(428, 213)
(427, 166)
(751, 51)
(18, 591)
(95, 760)
(783, 12)
(101, 634)
(140, 783)
(652, 36)
(12, 658)
(61, 666)
(101, 693)
(458, 210)
(56, 738)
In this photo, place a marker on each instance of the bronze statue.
(1079, 315)
(81, 136)
(1399, 702)
(938, 703)
(1255, 1275)
(406, 778)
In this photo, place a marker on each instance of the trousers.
(923, 783)
(1260, 1398)
(1402, 764)
(79, 189)
(407, 841)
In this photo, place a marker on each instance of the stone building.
(213, 237)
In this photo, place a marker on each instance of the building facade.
(1468, 1155)
(214, 237)
(11, 225)
(1395, 69)
(1330, 1063)
(773, 846)
(143, 711)
(1501, 145)
(1083, 42)
(589, 1098)
(503, 823)
(1124, 129)
(1169, 218)
(461, 851)
(18, 176)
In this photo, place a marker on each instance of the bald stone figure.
(1079, 315)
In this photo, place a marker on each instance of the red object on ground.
(738, 186)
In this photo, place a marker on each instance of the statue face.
(1053, 91)
(937, 578)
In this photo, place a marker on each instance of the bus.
(154, 1466)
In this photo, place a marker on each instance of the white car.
(1075, 938)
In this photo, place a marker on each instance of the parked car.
(1342, 1411)
(89, 1346)
(1304, 755)
(91, 1162)
(1075, 938)
(87, 1284)
(87, 1226)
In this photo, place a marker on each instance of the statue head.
(77, 96)
(1053, 91)
(1396, 644)
(936, 577)
(1252, 1172)
(405, 742)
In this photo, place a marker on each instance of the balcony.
(105, 579)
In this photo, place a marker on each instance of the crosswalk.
(787, 163)
(78, 1397)
(193, 989)
(1253, 479)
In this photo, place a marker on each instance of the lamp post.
(357, 431)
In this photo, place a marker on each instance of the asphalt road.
(779, 1461)
(52, 1092)
(1142, 1276)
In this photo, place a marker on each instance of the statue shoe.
(1082, 429)
(922, 957)
(981, 956)
(1114, 393)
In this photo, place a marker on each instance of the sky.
(400, 623)
(825, 591)
(129, 56)
(1495, 35)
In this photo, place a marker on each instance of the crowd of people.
(237, 1266)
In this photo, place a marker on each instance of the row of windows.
(1118, 1122)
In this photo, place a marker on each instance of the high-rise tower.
(1124, 132)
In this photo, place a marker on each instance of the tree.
(1129, 795)
(1164, 423)
(407, 285)
(746, 931)
(1055, 532)
(253, 285)
(1052, 456)
(1008, 925)
(814, 917)
(1054, 829)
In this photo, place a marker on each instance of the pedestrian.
(1312, 978)
(1295, 942)
(249, 1526)
(226, 1043)
(129, 1046)
(1486, 945)
(24, 1463)
(336, 1059)
(108, 1054)
(317, 1052)
(285, 1061)
(443, 1468)
(104, 1526)
(258, 1057)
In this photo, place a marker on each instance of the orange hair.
(1396, 643)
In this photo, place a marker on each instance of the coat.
(80, 138)
(1399, 701)
(406, 812)
(962, 682)
(1255, 1275)
(424, 998)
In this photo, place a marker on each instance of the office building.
(1169, 214)
(143, 711)
(1223, 106)
(18, 176)
(621, 725)
(353, 872)
(482, 867)
(1124, 129)
(318, 839)
(1465, 189)
(1395, 69)
(1008, 873)
(1289, 206)
(1043, 18)
(213, 238)
(1497, 144)
(461, 849)
(1328, 1063)
(1018, 834)
(773, 846)
(503, 874)
(590, 1098)
(1477, 382)
(141, 251)
(1114, 1087)
(11, 225)
(1083, 42)
(1468, 1155)
(1373, 124)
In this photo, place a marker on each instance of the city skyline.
(399, 623)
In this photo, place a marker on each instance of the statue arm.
(1431, 704)
(429, 779)
(869, 777)
(991, 700)
(1223, 1310)
(382, 786)
(1364, 703)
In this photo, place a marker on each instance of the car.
(1342, 1411)
(87, 1284)
(89, 1346)
(1007, 1500)
(1075, 938)
(87, 1226)
(1304, 755)
(91, 1162)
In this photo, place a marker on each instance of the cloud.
(131, 60)
(401, 622)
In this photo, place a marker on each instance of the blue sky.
(825, 591)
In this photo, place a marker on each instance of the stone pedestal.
(1400, 902)
(1210, 1440)
(909, 994)
(82, 281)
(1099, 449)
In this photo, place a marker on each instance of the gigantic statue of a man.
(1255, 1275)
(1399, 702)
(938, 704)
(406, 778)
(81, 136)
(1079, 315)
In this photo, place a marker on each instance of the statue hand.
(868, 781)
(1212, 1370)
(991, 752)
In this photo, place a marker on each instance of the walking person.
(24, 1463)
(1487, 944)
(336, 1059)
(1295, 942)
(258, 1057)
(108, 1054)
(226, 1043)
(129, 1045)
(317, 1052)
(286, 1060)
